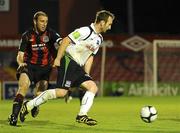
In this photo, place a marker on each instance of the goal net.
(162, 68)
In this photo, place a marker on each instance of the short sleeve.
(23, 43)
(79, 34)
(55, 36)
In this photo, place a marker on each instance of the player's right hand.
(22, 64)
(21, 67)
(56, 62)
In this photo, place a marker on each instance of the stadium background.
(124, 66)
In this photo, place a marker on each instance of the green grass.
(114, 115)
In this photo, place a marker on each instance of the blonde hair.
(39, 13)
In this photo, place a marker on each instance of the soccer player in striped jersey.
(74, 60)
(35, 58)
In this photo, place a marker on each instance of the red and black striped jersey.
(39, 49)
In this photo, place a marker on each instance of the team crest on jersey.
(98, 42)
(45, 39)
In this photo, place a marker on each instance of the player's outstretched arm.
(62, 48)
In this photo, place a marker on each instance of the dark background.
(27, 8)
(149, 16)
(132, 16)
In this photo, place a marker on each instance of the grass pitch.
(114, 115)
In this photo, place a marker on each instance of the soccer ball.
(148, 114)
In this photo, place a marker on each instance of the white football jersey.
(85, 42)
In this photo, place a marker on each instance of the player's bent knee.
(94, 89)
(42, 86)
(90, 86)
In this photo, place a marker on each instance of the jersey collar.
(92, 26)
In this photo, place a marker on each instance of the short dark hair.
(39, 13)
(103, 15)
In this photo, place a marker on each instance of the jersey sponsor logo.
(76, 34)
(68, 83)
(91, 48)
(38, 46)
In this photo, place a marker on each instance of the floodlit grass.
(114, 115)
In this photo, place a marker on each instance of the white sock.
(86, 103)
(42, 98)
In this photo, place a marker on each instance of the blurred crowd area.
(128, 65)
(122, 62)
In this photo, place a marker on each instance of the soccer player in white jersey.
(74, 60)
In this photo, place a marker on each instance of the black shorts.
(70, 74)
(35, 73)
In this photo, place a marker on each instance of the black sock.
(81, 94)
(17, 104)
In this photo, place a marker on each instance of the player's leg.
(81, 93)
(76, 77)
(87, 102)
(41, 80)
(48, 94)
(23, 84)
(45, 96)
(68, 96)
(41, 99)
(40, 87)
